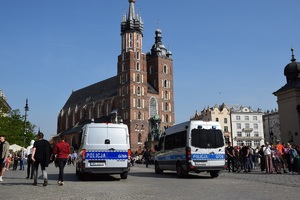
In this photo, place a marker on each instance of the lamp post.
(25, 129)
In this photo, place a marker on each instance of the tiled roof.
(101, 90)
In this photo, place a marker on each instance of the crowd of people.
(38, 153)
(272, 158)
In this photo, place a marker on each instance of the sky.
(231, 52)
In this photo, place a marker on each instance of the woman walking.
(62, 151)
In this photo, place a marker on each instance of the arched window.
(140, 138)
(139, 115)
(138, 66)
(167, 118)
(151, 70)
(138, 78)
(166, 106)
(138, 55)
(130, 40)
(138, 90)
(165, 69)
(166, 83)
(139, 103)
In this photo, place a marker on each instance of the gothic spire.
(133, 21)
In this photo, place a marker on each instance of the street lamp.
(25, 130)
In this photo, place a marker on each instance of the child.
(7, 162)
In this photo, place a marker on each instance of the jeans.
(61, 162)
(30, 168)
(35, 171)
(22, 163)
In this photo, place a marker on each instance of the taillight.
(83, 151)
(129, 153)
(188, 153)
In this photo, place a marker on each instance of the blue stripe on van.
(172, 157)
(208, 156)
(106, 155)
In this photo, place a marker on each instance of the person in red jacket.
(61, 150)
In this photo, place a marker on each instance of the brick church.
(141, 95)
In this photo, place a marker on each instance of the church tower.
(288, 99)
(132, 77)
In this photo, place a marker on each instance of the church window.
(138, 78)
(165, 69)
(138, 55)
(138, 66)
(140, 138)
(166, 83)
(130, 40)
(139, 115)
(123, 103)
(167, 118)
(166, 106)
(152, 107)
(151, 70)
(138, 90)
(139, 103)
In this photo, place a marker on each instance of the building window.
(255, 126)
(167, 118)
(138, 78)
(248, 143)
(225, 120)
(166, 106)
(239, 133)
(238, 117)
(254, 118)
(136, 127)
(138, 55)
(247, 125)
(225, 128)
(165, 83)
(139, 115)
(123, 103)
(138, 90)
(139, 103)
(247, 118)
(256, 143)
(165, 69)
(238, 125)
(151, 70)
(239, 143)
(256, 134)
(248, 134)
(217, 119)
(138, 66)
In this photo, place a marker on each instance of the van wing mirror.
(107, 141)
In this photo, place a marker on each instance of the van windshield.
(99, 135)
(207, 138)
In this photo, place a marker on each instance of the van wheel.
(214, 174)
(157, 169)
(179, 170)
(124, 175)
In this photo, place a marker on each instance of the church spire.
(133, 21)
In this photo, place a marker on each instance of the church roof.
(101, 90)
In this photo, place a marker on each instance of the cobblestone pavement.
(143, 183)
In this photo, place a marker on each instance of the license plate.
(100, 164)
(200, 163)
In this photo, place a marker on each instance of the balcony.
(247, 130)
(244, 138)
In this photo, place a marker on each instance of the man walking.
(230, 156)
(41, 152)
(22, 158)
(4, 152)
(29, 161)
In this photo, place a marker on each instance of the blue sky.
(223, 51)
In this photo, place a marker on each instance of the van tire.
(157, 169)
(179, 170)
(124, 175)
(214, 174)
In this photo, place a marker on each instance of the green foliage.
(12, 126)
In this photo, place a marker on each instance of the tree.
(12, 126)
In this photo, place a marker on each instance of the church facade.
(141, 94)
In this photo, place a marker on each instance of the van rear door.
(118, 146)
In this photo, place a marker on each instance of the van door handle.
(111, 149)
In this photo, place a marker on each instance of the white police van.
(104, 149)
(192, 146)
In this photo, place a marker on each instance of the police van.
(192, 146)
(104, 149)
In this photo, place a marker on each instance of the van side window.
(160, 144)
(176, 140)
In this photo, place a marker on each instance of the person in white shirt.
(268, 157)
(29, 160)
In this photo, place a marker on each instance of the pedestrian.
(268, 158)
(74, 156)
(41, 152)
(62, 151)
(230, 157)
(261, 156)
(16, 160)
(7, 162)
(22, 158)
(245, 160)
(146, 157)
(29, 161)
(280, 148)
(293, 157)
(4, 151)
